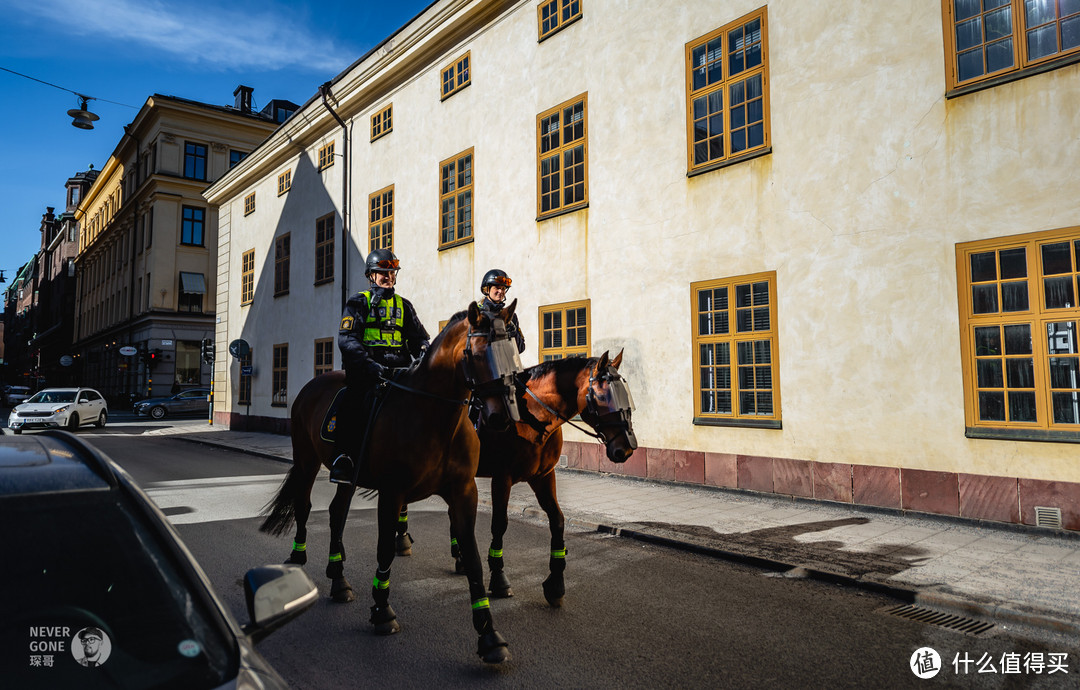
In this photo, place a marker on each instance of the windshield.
(53, 397)
(92, 566)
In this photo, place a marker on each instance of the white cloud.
(267, 38)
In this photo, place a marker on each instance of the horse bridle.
(497, 370)
(619, 417)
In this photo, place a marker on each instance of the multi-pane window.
(991, 38)
(456, 199)
(554, 15)
(326, 156)
(324, 356)
(192, 225)
(564, 330)
(562, 157)
(1019, 314)
(382, 122)
(249, 204)
(324, 248)
(192, 289)
(736, 362)
(284, 182)
(281, 264)
(279, 374)
(243, 388)
(456, 76)
(727, 91)
(235, 157)
(247, 277)
(381, 219)
(194, 161)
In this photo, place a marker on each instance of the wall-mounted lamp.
(81, 117)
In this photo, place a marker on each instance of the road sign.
(239, 348)
(67, 361)
(128, 350)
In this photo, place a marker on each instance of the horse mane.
(558, 366)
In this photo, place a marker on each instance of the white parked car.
(54, 408)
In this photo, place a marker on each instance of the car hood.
(41, 407)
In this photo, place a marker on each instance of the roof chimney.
(243, 98)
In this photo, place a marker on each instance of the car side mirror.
(275, 595)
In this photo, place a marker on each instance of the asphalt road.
(636, 615)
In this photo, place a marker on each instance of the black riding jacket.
(372, 361)
(512, 328)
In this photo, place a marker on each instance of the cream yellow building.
(148, 245)
(837, 241)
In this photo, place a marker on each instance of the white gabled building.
(838, 242)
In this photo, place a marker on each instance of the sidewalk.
(1020, 575)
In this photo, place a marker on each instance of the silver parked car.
(13, 395)
(55, 408)
(194, 400)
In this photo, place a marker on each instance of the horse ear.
(474, 313)
(603, 363)
(618, 360)
(510, 311)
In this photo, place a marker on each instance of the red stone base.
(977, 497)
(237, 421)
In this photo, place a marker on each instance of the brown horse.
(549, 395)
(421, 444)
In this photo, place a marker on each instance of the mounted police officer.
(379, 332)
(494, 287)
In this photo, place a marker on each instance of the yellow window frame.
(326, 156)
(456, 76)
(381, 219)
(736, 353)
(552, 16)
(1019, 324)
(727, 93)
(564, 330)
(247, 277)
(983, 36)
(324, 248)
(382, 122)
(284, 182)
(279, 376)
(249, 204)
(456, 199)
(562, 136)
(282, 261)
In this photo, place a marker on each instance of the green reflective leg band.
(335, 557)
(495, 553)
(404, 517)
(301, 546)
(558, 553)
(381, 584)
(453, 541)
(480, 604)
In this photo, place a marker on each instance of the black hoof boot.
(500, 586)
(404, 544)
(385, 620)
(341, 471)
(459, 566)
(554, 591)
(296, 558)
(341, 591)
(492, 648)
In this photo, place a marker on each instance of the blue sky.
(126, 50)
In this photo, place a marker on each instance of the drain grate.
(921, 614)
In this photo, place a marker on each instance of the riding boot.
(350, 433)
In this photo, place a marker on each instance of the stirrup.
(341, 470)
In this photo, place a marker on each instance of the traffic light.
(155, 354)
(208, 350)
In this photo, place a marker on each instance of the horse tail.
(280, 512)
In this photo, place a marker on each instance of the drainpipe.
(133, 378)
(324, 89)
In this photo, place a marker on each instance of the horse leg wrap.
(492, 647)
(499, 585)
(298, 556)
(455, 553)
(336, 567)
(554, 587)
(382, 614)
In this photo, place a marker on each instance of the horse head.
(608, 407)
(491, 365)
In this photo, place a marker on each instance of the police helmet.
(381, 261)
(495, 277)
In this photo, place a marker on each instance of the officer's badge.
(347, 323)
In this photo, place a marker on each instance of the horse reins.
(588, 432)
